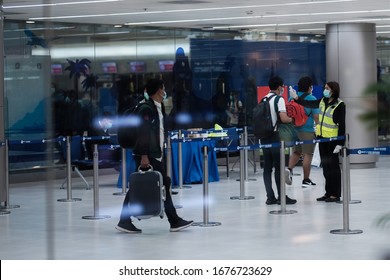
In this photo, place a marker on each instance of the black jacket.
(148, 134)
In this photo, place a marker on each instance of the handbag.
(316, 160)
(287, 132)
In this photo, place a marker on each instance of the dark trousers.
(330, 168)
(170, 210)
(271, 160)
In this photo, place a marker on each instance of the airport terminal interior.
(44, 228)
(73, 68)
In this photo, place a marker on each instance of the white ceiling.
(302, 16)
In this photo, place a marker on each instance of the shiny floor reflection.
(44, 228)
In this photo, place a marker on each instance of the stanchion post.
(96, 215)
(348, 174)
(180, 161)
(242, 180)
(169, 156)
(282, 195)
(124, 173)
(206, 222)
(246, 158)
(169, 165)
(4, 212)
(7, 204)
(346, 190)
(68, 174)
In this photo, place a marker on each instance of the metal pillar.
(358, 64)
(96, 215)
(346, 190)
(282, 196)
(7, 205)
(180, 161)
(242, 180)
(348, 172)
(169, 165)
(206, 222)
(68, 174)
(124, 173)
(246, 158)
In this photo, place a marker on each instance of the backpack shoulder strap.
(276, 101)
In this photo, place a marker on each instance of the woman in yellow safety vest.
(331, 124)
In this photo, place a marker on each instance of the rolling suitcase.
(146, 194)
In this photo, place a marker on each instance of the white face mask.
(281, 91)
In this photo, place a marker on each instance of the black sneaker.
(181, 224)
(322, 198)
(271, 201)
(306, 183)
(332, 199)
(288, 200)
(128, 227)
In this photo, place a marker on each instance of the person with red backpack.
(305, 119)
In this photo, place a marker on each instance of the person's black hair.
(304, 84)
(275, 82)
(335, 88)
(153, 85)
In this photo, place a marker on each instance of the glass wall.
(61, 78)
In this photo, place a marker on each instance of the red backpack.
(296, 111)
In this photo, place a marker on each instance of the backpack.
(128, 125)
(262, 119)
(297, 112)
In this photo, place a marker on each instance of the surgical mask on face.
(282, 91)
(146, 95)
(326, 93)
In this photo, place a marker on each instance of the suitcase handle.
(142, 171)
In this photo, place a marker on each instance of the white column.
(351, 61)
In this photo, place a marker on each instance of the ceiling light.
(192, 10)
(60, 4)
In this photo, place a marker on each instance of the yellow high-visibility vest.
(326, 127)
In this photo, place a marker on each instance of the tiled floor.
(43, 228)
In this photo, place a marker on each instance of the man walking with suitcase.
(148, 151)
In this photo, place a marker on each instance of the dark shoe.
(271, 201)
(181, 224)
(288, 175)
(128, 227)
(306, 183)
(288, 200)
(174, 192)
(322, 198)
(332, 199)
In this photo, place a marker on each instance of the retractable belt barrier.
(370, 151)
(67, 140)
(212, 135)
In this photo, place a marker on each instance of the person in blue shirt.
(305, 132)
